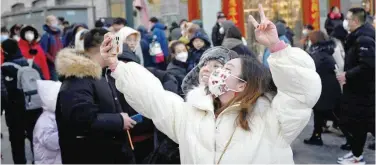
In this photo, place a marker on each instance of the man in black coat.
(217, 36)
(358, 107)
(91, 122)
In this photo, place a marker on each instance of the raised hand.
(266, 31)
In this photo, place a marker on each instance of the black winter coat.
(322, 54)
(88, 114)
(179, 70)
(217, 37)
(359, 90)
(330, 23)
(15, 104)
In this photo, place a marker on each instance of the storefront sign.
(312, 16)
(234, 11)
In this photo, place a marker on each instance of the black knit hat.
(10, 48)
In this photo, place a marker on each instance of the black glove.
(33, 51)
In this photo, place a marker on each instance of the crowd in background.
(179, 57)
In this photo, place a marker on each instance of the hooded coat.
(144, 44)
(88, 114)
(33, 49)
(46, 136)
(202, 137)
(359, 90)
(322, 54)
(194, 54)
(159, 30)
(51, 43)
(127, 31)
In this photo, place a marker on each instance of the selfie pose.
(234, 119)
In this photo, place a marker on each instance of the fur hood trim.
(70, 64)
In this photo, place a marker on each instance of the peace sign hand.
(266, 31)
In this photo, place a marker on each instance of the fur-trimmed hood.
(70, 64)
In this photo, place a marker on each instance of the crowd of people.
(201, 99)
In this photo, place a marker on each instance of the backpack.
(27, 78)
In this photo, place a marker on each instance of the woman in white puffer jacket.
(45, 136)
(237, 122)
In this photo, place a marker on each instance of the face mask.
(217, 82)
(3, 38)
(16, 37)
(346, 25)
(182, 57)
(222, 30)
(305, 32)
(29, 36)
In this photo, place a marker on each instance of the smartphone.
(138, 118)
(117, 44)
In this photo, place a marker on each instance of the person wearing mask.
(15, 32)
(51, 43)
(118, 24)
(178, 62)
(233, 120)
(158, 29)
(335, 18)
(45, 136)
(31, 49)
(91, 123)
(281, 29)
(17, 118)
(233, 41)
(4, 34)
(198, 45)
(217, 37)
(132, 39)
(358, 80)
(305, 42)
(289, 32)
(322, 50)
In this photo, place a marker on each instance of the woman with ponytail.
(234, 118)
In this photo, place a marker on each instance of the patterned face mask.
(217, 82)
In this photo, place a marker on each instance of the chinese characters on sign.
(234, 11)
(315, 14)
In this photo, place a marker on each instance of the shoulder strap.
(11, 64)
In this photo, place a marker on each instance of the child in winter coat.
(46, 139)
(178, 62)
(198, 44)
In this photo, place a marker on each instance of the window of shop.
(288, 10)
(117, 8)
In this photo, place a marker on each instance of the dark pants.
(19, 124)
(53, 74)
(358, 130)
(143, 149)
(319, 118)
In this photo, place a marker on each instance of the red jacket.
(40, 58)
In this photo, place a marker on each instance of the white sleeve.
(145, 94)
(299, 88)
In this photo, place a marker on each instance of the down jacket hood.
(201, 35)
(127, 31)
(69, 64)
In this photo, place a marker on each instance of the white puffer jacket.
(202, 138)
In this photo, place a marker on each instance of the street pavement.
(303, 154)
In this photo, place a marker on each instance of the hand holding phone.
(138, 118)
(117, 44)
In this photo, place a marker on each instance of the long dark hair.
(258, 82)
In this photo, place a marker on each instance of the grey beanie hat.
(218, 53)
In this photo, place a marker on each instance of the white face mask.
(222, 30)
(305, 32)
(29, 36)
(16, 37)
(346, 25)
(182, 56)
(217, 82)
